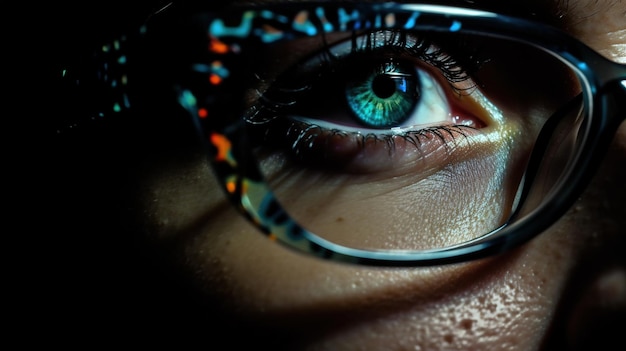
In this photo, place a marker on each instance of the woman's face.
(565, 287)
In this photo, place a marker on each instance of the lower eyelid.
(424, 151)
(443, 165)
(393, 153)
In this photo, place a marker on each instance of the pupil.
(383, 86)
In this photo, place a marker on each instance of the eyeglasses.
(382, 134)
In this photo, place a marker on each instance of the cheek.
(463, 190)
(509, 312)
(502, 301)
(498, 302)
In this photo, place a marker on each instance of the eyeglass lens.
(411, 140)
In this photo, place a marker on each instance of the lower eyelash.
(316, 145)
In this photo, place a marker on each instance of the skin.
(565, 289)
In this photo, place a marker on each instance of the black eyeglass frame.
(603, 94)
(604, 97)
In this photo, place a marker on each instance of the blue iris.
(385, 96)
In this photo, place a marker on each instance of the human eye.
(389, 138)
(366, 102)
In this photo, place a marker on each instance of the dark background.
(84, 276)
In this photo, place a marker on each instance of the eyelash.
(279, 97)
(397, 41)
(413, 137)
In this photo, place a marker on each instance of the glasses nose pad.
(553, 153)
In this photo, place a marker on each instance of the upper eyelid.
(278, 91)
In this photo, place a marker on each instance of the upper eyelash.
(273, 102)
(280, 96)
(396, 40)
